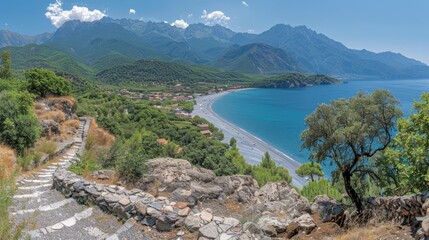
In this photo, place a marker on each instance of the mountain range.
(88, 48)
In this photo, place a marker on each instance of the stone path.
(45, 213)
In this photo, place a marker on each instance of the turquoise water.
(277, 115)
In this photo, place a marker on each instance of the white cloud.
(58, 16)
(180, 23)
(132, 11)
(215, 17)
(244, 3)
(190, 15)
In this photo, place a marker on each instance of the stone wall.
(160, 213)
(403, 210)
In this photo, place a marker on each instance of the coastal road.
(251, 147)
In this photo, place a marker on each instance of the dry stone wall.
(403, 210)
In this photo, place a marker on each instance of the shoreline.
(251, 147)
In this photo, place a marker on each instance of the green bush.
(18, 126)
(87, 164)
(25, 161)
(320, 187)
(43, 82)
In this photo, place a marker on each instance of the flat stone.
(69, 222)
(141, 208)
(425, 226)
(206, 216)
(209, 231)
(168, 209)
(231, 221)
(57, 226)
(181, 205)
(184, 212)
(124, 201)
(193, 222)
(111, 198)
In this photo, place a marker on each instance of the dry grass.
(98, 137)
(57, 116)
(47, 146)
(377, 231)
(59, 101)
(72, 124)
(7, 162)
(38, 106)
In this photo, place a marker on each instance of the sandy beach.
(250, 146)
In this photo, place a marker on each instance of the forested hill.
(165, 73)
(295, 80)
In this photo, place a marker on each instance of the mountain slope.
(257, 58)
(144, 71)
(8, 38)
(42, 56)
(317, 53)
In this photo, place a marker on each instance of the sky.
(376, 25)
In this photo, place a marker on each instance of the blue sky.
(377, 25)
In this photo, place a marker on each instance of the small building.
(203, 126)
(206, 133)
(162, 141)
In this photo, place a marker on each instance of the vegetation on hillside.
(153, 71)
(44, 82)
(294, 80)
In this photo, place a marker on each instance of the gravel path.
(251, 147)
(45, 213)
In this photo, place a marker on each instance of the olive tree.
(349, 132)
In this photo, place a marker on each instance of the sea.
(277, 115)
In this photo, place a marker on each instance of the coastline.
(251, 147)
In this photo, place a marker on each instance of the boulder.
(329, 209)
(49, 127)
(305, 223)
(269, 223)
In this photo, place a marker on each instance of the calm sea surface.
(277, 115)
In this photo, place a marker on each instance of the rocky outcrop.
(191, 184)
(276, 207)
(67, 105)
(329, 209)
(49, 127)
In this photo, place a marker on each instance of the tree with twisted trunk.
(349, 132)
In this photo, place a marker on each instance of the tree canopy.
(310, 169)
(349, 132)
(404, 167)
(6, 65)
(43, 82)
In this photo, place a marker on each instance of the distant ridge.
(281, 49)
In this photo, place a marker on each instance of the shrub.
(320, 187)
(43, 82)
(86, 164)
(18, 126)
(25, 161)
(48, 147)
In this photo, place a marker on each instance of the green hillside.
(42, 56)
(257, 58)
(295, 80)
(165, 73)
